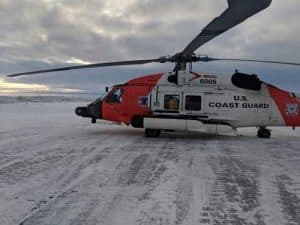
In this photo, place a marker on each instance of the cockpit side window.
(115, 96)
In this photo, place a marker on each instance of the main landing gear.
(263, 132)
(94, 120)
(153, 133)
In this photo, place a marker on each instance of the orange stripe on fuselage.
(288, 106)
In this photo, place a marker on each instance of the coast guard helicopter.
(189, 101)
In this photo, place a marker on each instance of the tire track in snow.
(236, 195)
(285, 178)
(197, 176)
(139, 170)
(187, 170)
(157, 202)
(72, 181)
(133, 174)
(21, 171)
(109, 182)
(155, 166)
(174, 206)
(289, 201)
(184, 195)
(43, 152)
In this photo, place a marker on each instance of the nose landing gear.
(263, 132)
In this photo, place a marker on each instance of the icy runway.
(58, 169)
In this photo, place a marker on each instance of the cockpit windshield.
(115, 95)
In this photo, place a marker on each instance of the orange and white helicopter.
(189, 101)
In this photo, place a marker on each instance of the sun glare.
(12, 87)
(78, 61)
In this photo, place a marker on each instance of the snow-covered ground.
(44, 99)
(56, 168)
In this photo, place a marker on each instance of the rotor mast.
(237, 12)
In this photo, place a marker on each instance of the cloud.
(8, 87)
(50, 33)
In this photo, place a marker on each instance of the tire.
(153, 133)
(264, 133)
(259, 133)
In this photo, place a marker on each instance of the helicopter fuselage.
(198, 102)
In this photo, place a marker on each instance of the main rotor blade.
(237, 12)
(207, 59)
(118, 63)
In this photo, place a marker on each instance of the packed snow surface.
(59, 169)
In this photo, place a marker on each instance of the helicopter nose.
(93, 110)
(82, 111)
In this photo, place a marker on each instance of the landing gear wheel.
(264, 133)
(94, 120)
(154, 133)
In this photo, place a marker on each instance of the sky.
(42, 34)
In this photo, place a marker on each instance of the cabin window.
(193, 102)
(246, 81)
(171, 102)
(115, 96)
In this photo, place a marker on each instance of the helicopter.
(185, 100)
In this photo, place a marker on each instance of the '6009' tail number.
(208, 81)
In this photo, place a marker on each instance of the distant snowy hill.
(46, 99)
